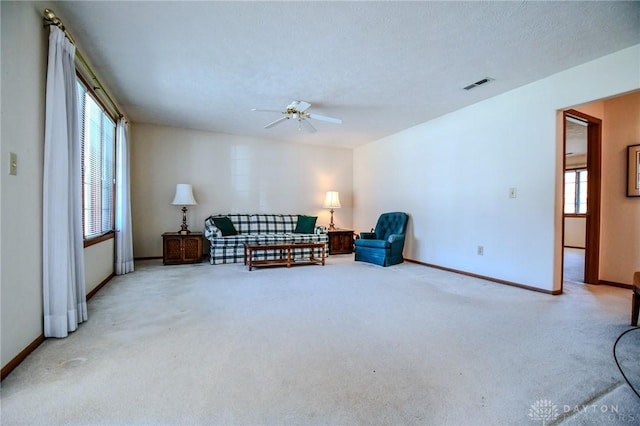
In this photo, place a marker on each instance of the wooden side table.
(341, 241)
(181, 248)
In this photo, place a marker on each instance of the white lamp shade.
(184, 195)
(332, 200)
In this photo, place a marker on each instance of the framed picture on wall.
(633, 171)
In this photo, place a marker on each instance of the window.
(97, 137)
(575, 191)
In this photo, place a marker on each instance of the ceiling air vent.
(478, 83)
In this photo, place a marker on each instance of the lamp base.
(184, 229)
(331, 225)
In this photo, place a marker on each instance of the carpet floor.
(573, 265)
(346, 343)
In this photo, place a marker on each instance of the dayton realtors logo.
(544, 411)
(547, 412)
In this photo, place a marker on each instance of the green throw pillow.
(306, 224)
(225, 226)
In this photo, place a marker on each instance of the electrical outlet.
(513, 192)
(13, 163)
(480, 250)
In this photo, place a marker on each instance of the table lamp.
(332, 201)
(184, 198)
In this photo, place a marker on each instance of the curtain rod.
(51, 19)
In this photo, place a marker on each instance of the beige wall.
(23, 52)
(620, 222)
(620, 215)
(98, 263)
(229, 174)
(24, 58)
(575, 231)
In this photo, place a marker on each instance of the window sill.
(99, 239)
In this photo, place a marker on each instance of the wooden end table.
(180, 248)
(340, 241)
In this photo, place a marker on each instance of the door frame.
(594, 176)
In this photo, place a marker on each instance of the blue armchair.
(383, 246)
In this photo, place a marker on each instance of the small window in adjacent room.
(575, 191)
(98, 165)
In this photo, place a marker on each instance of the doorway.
(581, 193)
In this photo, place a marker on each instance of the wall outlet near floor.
(480, 250)
(13, 163)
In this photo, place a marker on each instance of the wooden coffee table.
(284, 258)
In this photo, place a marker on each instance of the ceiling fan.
(298, 110)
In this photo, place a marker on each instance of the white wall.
(453, 174)
(23, 79)
(229, 174)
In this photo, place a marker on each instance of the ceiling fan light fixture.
(298, 111)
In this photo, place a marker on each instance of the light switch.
(13, 163)
(513, 192)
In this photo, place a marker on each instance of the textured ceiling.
(379, 66)
(575, 138)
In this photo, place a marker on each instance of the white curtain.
(65, 301)
(124, 240)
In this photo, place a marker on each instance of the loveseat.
(227, 234)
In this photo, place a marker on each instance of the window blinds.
(98, 165)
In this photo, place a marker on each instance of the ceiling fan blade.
(308, 126)
(278, 121)
(265, 110)
(302, 106)
(325, 118)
